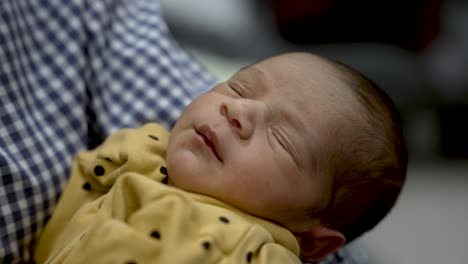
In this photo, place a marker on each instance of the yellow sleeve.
(139, 150)
(94, 172)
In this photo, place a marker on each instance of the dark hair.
(368, 163)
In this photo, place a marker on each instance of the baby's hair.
(368, 163)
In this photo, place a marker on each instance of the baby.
(289, 159)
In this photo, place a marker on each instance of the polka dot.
(87, 186)
(131, 262)
(206, 245)
(249, 256)
(156, 234)
(224, 219)
(99, 170)
(153, 137)
(163, 170)
(165, 180)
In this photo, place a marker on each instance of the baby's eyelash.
(237, 90)
(280, 140)
(285, 145)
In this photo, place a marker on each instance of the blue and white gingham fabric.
(72, 71)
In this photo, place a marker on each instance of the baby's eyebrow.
(257, 78)
(251, 69)
(245, 68)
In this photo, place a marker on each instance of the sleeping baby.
(286, 161)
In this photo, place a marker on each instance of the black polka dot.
(224, 219)
(99, 170)
(249, 256)
(131, 262)
(156, 234)
(206, 245)
(165, 180)
(87, 186)
(153, 137)
(163, 170)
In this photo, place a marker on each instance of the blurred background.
(417, 50)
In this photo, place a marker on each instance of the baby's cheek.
(181, 164)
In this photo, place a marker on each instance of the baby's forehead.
(302, 69)
(305, 78)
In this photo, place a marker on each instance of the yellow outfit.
(115, 209)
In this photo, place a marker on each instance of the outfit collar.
(281, 235)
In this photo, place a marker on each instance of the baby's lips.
(211, 139)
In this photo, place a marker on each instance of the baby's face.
(256, 140)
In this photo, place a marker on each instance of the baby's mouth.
(210, 144)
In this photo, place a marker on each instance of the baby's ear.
(319, 242)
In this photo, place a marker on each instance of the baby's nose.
(238, 117)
